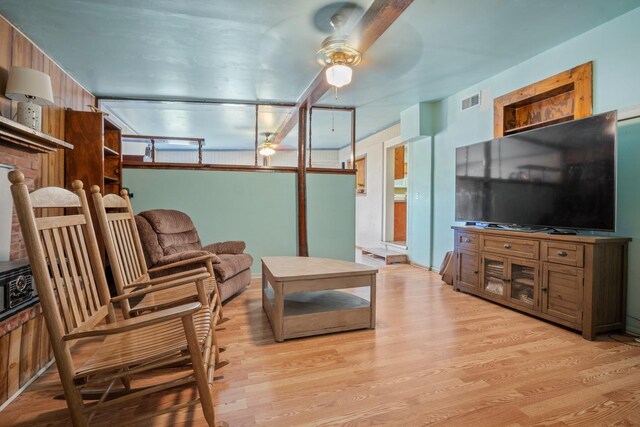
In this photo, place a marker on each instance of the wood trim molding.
(561, 97)
(171, 138)
(207, 167)
(333, 171)
(128, 164)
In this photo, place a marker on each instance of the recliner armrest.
(231, 247)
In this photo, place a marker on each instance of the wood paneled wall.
(24, 344)
(17, 50)
(24, 350)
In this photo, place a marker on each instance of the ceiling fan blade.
(376, 20)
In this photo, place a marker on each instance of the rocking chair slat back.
(122, 241)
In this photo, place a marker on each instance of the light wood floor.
(437, 356)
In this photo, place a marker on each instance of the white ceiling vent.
(471, 101)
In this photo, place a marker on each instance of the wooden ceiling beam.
(375, 21)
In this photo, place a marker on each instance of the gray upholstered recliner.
(168, 236)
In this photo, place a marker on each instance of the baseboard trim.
(15, 395)
(632, 330)
(424, 267)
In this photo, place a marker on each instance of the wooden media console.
(578, 281)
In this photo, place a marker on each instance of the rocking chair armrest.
(190, 275)
(138, 322)
(199, 259)
(161, 286)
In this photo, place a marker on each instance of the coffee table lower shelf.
(316, 313)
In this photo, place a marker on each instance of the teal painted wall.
(613, 48)
(419, 201)
(628, 215)
(257, 207)
(331, 216)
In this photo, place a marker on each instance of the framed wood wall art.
(556, 99)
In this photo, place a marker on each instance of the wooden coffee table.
(300, 296)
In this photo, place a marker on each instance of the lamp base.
(30, 115)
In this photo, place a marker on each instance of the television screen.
(560, 176)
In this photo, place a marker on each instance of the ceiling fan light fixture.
(267, 150)
(340, 58)
(339, 75)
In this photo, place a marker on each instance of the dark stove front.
(17, 290)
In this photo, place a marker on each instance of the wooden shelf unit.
(576, 281)
(97, 158)
(110, 152)
(563, 97)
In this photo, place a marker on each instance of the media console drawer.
(563, 253)
(467, 241)
(509, 246)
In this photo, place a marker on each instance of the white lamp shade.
(29, 85)
(339, 75)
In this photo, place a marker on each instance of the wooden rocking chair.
(68, 274)
(130, 274)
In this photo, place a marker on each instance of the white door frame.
(387, 185)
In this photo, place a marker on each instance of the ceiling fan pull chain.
(333, 110)
(333, 120)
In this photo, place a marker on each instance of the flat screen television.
(559, 176)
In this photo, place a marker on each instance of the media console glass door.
(523, 283)
(494, 276)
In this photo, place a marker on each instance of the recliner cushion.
(168, 221)
(230, 265)
(175, 230)
(180, 242)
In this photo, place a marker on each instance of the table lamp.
(32, 89)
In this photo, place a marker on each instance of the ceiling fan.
(363, 29)
(268, 147)
(337, 52)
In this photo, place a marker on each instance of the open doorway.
(396, 196)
